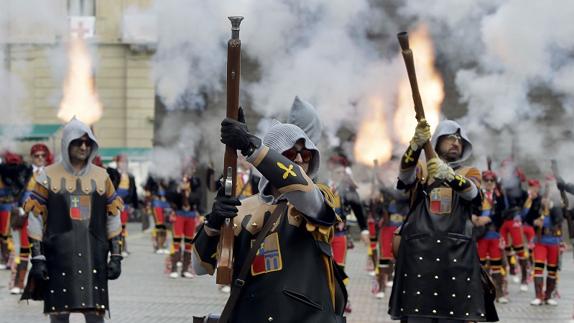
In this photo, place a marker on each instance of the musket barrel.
(407, 53)
(227, 237)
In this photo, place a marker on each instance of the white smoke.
(316, 49)
(22, 23)
(503, 52)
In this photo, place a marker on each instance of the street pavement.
(145, 294)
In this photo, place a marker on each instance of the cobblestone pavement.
(145, 294)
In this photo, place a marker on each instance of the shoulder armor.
(251, 214)
(58, 179)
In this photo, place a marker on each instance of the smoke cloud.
(22, 23)
(513, 63)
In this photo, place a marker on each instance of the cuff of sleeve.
(257, 156)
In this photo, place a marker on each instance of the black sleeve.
(353, 201)
(133, 192)
(534, 212)
(556, 215)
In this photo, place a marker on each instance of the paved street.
(145, 294)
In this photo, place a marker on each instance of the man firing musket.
(438, 273)
(283, 268)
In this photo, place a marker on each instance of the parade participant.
(512, 230)
(41, 157)
(547, 219)
(75, 224)
(128, 192)
(293, 277)
(375, 212)
(158, 207)
(393, 210)
(438, 273)
(346, 201)
(185, 200)
(533, 205)
(489, 244)
(14, 175)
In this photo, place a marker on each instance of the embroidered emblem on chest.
(268, 257)
(80, 207)
(441, 200)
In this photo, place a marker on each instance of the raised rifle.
(564, 198)
(410, 64)
(225, 248)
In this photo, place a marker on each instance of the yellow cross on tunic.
(461, 180)
(288, 170)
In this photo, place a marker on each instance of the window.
(81, 7)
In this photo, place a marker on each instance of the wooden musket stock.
(410, 64)
(225, 259)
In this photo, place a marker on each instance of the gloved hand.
(422, 135)
(235, 134)
(114, 267)
(223, 208)
(439, 170)
(39, 270)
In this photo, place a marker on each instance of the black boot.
(550, 288)
(5, 253)
(186, 271)
(538, 289)
(523, 271)
(175, 258)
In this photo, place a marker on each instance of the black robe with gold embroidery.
(75, 212)
(438, 273)
(293, 277)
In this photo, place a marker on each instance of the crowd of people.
(447, 238)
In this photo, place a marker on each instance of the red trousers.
(489, 249)
(386, 242)
(24, 241)
(529, 233)
(546, 254)
(183, 231)
(4, 224)
(514, 230)
(339, 247)
(124, 216)
(158, 216)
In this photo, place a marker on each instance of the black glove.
(39, 270)
(235, 134)
(223, 208)
(114, 267)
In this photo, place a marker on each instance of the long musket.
(225, 259)
(564, 198)
(410, 64)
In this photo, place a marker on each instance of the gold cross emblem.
(460, 179)
(288, 170)
(409, 156)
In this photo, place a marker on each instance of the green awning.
(134, 153)
(36, 132)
